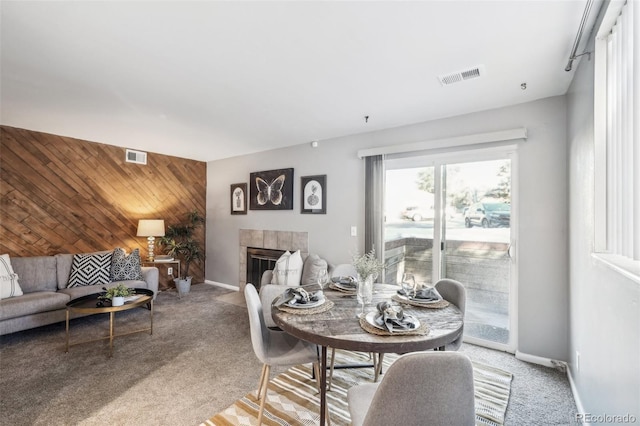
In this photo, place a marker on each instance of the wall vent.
(137, 157)
(458, 76)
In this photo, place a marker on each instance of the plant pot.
(183, 285)
(117, 301)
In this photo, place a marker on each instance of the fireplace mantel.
(277, 240)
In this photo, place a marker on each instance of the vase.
(365, 289)
(117, 301)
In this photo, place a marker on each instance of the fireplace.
(274, 243)
(260, 260)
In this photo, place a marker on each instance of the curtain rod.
(500, 136)
(576, 43)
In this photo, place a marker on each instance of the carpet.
(293, 400)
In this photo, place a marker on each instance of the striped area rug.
(293, 399)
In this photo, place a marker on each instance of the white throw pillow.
(288, 269)
(9, 285)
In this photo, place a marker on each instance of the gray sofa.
(43, 280)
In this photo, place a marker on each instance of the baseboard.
(223, 285)
(547, 362)
(576, 395)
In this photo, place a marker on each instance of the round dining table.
(339, 328)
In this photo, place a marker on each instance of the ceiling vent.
(458, 76)
(137, 157)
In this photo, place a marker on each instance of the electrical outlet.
(577, 361)
(170, 271)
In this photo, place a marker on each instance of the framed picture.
(271, 190)
(238, 198)
(314, 194)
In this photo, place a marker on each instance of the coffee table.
(89, 305)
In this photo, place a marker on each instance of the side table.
(156, 263)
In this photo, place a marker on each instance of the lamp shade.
(150, 228)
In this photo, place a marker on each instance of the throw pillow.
(90, 269)
(288, 269)
(9, 286)
(312, 267)
(124, 268)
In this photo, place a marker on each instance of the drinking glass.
(409, 285)
(322, 279)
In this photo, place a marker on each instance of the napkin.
(392, 318)
(425, 294)
(345, 281)
(299, 295)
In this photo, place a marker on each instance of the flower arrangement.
(120, 290)
(367, 264)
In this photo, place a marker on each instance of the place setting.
(389, 319)
(345, 284)
(300, 301)
(420, 296)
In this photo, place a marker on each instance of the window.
(617, 129)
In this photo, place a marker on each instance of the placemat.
(437, 305)
(322, 308)
(422, 330)
(332, 286)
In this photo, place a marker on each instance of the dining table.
(339, 326)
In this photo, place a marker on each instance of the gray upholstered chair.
(268, 293)
(273, 347)
(419, 389)
(453, 292)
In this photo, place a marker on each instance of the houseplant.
(180, 243)
(117, 294)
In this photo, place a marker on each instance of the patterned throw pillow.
(90, 269)
(124, 268)
(9, 285)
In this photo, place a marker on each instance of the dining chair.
(453, 292)
(274, 348)
(268, 293)
(418, 389)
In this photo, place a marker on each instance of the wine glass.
(322, 279)
(409, 285)
(364, 293)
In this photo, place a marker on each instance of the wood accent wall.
(65, 195)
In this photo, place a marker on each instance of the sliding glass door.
(451, 217)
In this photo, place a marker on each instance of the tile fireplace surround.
(277, 240)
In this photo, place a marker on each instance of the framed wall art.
(238, 198)
(271, 190)
(314, 194)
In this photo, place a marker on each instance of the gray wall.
(604, 305)
(542, 245)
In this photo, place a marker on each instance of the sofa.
(43, 281)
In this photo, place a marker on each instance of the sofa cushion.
(63, 266)
(32, 303)
(288, 269)
(90, 269)
(75, 292)
(9, 286)
(126, 267)
(37, 273)
(313, 265)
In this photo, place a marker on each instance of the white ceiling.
(210, 80)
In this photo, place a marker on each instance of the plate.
(370, 318)
(420, 301)
(345, 287)
(306, 305)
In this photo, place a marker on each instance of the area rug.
(293, 399)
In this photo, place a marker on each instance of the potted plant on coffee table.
(179, 242)
(117, 294)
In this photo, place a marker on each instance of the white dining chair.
(418, 389)
(453, 292)
(274, 348)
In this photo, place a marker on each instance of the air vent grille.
(137, 157)
(458, 76)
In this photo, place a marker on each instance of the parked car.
(488, 215)
(417, 213)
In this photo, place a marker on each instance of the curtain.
(374, 206)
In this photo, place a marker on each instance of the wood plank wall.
(65, 195)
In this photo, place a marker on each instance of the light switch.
(354, 231)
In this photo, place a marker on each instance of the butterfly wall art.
(271, 190)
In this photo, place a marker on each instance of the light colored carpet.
(294, 400)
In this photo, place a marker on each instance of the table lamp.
(151, 228)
